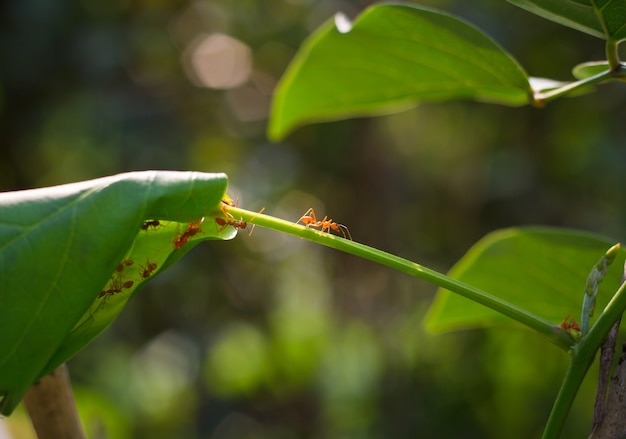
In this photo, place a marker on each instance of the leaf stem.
(612, 55)
(554, 333)
(542, 98)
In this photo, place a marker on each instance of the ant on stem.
(228, 202)
(231, 221)
(569, 324)
(325, 225)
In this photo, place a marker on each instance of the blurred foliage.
(267, 336)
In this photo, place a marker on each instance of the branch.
(554, 333)
(612, 425)
(52, 409)
(607, 352)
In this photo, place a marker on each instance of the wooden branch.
(607, 352)
(609, 414)
(613, 423)
(52, 409)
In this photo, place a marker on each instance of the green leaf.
(589, 69)
(577, 14)
(62, 247)
(604, 19)
(392, 57)
(542, 270)
(612, 14)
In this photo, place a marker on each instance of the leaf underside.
(392, 57)
(604, 19)
(541, 270)
(61, 247)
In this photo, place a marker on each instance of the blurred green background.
(269, 336)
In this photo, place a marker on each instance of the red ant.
(223, 222)
(229, 202)
(192, 229)
(231, 221)
(571, 324)
(146, 271)
(152, 223)
(124, 263)
(116, 286)
(326, 225)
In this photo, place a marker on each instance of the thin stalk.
(540, 99)
(582, 358)
(554, 333)
(612, 55)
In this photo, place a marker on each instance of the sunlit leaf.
(62, 247)
(391, 57)
(541, 270)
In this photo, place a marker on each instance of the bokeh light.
(217, 61)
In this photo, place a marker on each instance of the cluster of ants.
(118, 283)
(309, 219)
(193, 228)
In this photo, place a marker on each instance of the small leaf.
(62, 247)
(589, 69)
(390, 58)
(542, 270)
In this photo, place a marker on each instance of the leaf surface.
(542, 270)
(62, 247)
(604, 19)
(391, 57)
(588, 69)
(612, 15)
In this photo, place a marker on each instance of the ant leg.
(345, 230)
(252, 219)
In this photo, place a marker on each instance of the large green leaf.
(601, 18)
(612, 14)
(392, 56)
(62, 247)
(542, 270)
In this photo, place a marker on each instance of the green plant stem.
(582, 357)
(540, 99)
(554, 333)
(612, 55)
